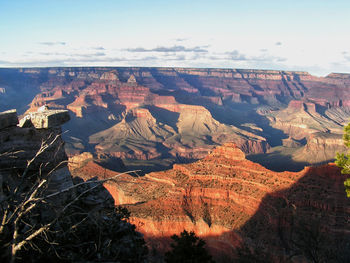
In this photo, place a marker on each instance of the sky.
(308, 35)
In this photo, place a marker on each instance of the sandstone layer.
(180, 114)
(230, 201)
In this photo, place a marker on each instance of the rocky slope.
(180, 114)
(230, 201)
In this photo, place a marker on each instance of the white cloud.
(57, 43)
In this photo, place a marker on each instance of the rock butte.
(180, 114)
(228, 200)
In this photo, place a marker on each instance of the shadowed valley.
(154, 117)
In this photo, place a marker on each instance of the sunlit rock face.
(181, 114)
(228, 201)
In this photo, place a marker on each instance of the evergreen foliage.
(188, 248)
(343, 160)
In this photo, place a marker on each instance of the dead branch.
(44, 146)
(21, 210)
(23, 203)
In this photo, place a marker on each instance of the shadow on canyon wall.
(310, 220)
(307, 222)
(278, 161)
(14, 83)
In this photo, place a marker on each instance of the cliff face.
(228, 201)
(315, 131)
(127, 120)
(34, 145)
(180, 114)
(320, 147)
(301, 119)
(252, 86)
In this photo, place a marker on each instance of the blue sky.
(304, 35)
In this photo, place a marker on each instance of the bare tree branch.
(16, 247)
(45, 144)
(16, 213)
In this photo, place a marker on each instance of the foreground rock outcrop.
(46, 214)
(36, 146)
(232, 202)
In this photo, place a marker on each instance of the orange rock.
(226, 199)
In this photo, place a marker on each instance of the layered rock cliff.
(179, 114)
(320, 147)
(230, 201)
(303, 118)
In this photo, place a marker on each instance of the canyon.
(152, 118)
(230, 154)
(232, 202)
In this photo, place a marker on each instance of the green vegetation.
(343, 160)
(187, 248)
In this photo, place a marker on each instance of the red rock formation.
(100, 98)
(111, 76)
(320, 147)
(301, 119)
(227, 199)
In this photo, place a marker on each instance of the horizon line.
(176, 67)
